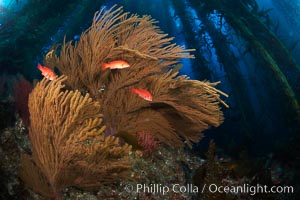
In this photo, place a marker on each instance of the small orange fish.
(47, 72)
(145, 94)
(117, 64)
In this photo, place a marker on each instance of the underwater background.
(250, 46)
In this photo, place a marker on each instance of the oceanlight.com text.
(249, 189)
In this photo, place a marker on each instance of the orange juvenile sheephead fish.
(46, 72)
(117, 64)
(145, 94)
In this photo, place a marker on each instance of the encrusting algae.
(75, 129)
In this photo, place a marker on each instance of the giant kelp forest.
(218, 70)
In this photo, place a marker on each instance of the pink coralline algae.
(22, 88)
(147, 142)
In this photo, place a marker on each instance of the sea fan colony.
(80, 131)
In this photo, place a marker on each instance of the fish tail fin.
(104, 66)
(133, 90)
(40, 67)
